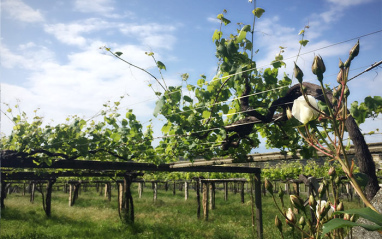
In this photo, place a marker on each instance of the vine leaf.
(161, 65)
(216, 36)
(158, 106)
(243, 33)
(304, 42)
(206, 114)
(118, 53)
(116, 137)
(223, 19)
(258, 12)
(187, 98)
(166, 128)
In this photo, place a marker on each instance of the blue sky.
(50, 56)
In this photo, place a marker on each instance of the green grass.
(171, 216)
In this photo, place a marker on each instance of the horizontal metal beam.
(125, 166)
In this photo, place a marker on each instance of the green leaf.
(301, 32)
(118, 53)
(374, 104)
(243, 33)
(366, 213)
(322, 106)
(246, 28)
(200, 82)
(206, 114)
(231, 112)
(217, 35)
(187, 98)
(161, 65)
(223, 19)
(303, 42)
(337, 223)
(258, 12)
(115, 137)
(158, 106)
(225, 109)
(166, 128)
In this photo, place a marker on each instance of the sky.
(53, 60)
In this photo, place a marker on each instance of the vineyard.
(162, 211)
(111, 176)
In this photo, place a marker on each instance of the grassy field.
(93, 216)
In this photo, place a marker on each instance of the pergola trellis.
(131, 169)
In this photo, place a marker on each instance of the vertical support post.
(120, 198)
(109, 191)
(173, 188)
(155, 186)
(242, 192)
(297, 188)
(33, 189)
(48, 199)
(3, 193)
(185, 190)
(225, 191)
(198, 196)
(259, 210)
(70, 194)
(205, 200)
(140, 189)
(212, 195)
(127, 205)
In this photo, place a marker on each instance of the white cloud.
(332, 15)
(20, 11)
(27, 56)
(71, 33)
(84, 84)
(94, 6)
(151, 34)
(145, 29)
(335, 12)
(213, 20)
(347, 3)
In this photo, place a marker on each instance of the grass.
(93, 216)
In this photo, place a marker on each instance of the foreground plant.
(331, 117)
(327, 218)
